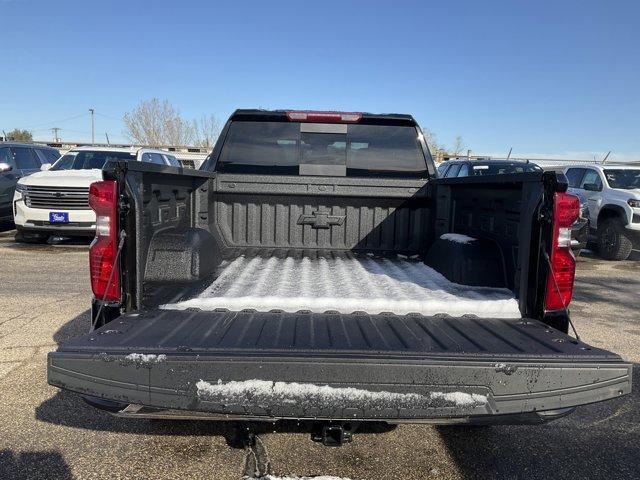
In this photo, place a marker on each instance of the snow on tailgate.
(346, 285)
(265, 392)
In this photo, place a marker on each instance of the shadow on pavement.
(68, 409)
(77, 326)
(33, 465)
(596, 441)
(53, 243)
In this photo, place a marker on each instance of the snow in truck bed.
(346, 285)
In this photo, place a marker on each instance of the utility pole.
(93, 127)
(107, 135)
(55, 134)
(509, 155)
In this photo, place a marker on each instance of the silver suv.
(612, 196)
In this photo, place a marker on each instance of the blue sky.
(558, 77)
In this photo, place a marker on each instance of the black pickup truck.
(315, 268)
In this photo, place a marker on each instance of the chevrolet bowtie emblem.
(320, 219)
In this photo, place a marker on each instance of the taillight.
(566, 208)
(323, 117)
(105, 274)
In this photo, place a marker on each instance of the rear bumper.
(140, 411)
(398, 390)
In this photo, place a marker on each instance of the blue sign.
(59, 217)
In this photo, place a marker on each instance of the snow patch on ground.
(265, 392)
(144, 358)
(346, 285)
(457, 238)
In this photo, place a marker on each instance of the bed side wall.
(504, 212)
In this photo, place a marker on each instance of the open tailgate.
(330, 366)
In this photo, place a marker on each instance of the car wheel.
(613, 241)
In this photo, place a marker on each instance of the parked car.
(56, 201)
(18, 160)
(315, 268)
(612, 196)
(471, 168)
(466, 168)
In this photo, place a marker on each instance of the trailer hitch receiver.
(333, 435)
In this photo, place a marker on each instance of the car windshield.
(502, 168)
(89, 159)
(624, 179)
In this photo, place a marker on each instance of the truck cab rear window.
(286, 148)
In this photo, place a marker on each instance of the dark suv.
(471, 168)
(16, 161)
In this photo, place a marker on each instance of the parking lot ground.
(47, 433)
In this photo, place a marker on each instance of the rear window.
(89, 159)
(290, 148)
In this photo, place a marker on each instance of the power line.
(54, 121)
(75, 131)
(108, 116)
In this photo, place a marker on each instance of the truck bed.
(329, 366)
(346, 283)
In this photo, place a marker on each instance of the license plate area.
(58, 217)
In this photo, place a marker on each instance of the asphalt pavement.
(48, 433)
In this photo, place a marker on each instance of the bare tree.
(155, 122)
(458, 147)
(207, 130)
(432, 141)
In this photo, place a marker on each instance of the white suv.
(612, 196)
(56, 201)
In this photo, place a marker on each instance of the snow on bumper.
(254, 393)
(395, 391)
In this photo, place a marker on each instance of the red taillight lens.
(566, 208)
(323, 117)
(105, 274)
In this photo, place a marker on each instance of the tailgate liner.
(326, 334)
(284, 365)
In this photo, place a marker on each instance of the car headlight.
(633, 203)
(20, 188)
